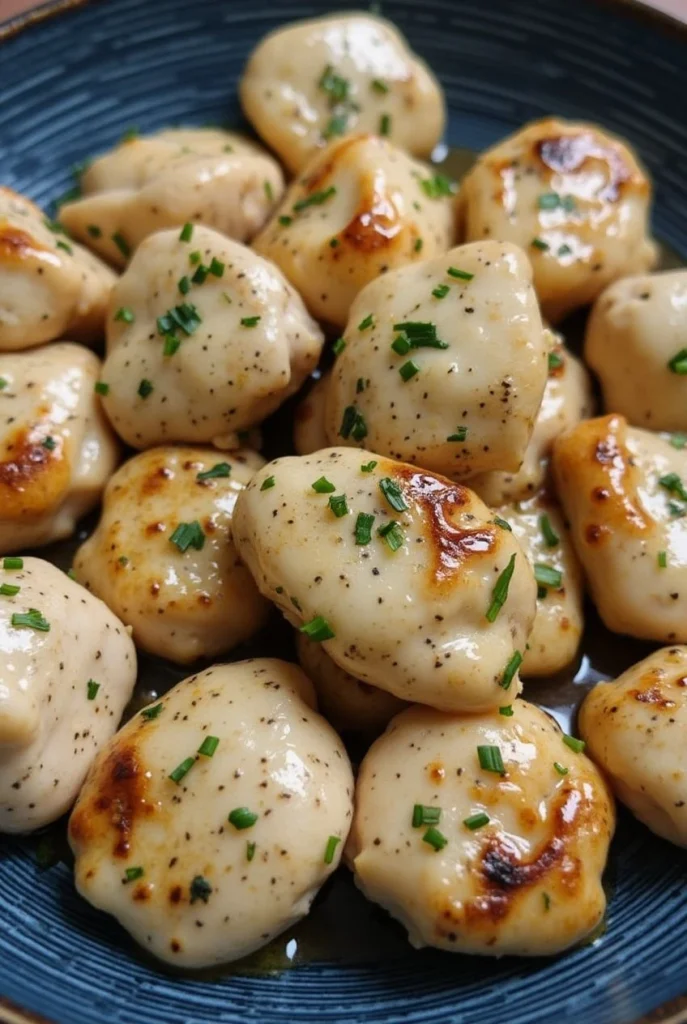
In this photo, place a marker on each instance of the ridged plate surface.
(69, 87)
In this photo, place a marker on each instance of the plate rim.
(671, 1012)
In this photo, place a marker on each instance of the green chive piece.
(123, 560)
(267, 483)
(31, 619)
(392, 534)
(184, 285)
(678, 363)
(200, 889)
(385, 125)
(92, 689)
(662, 560)
(425, 814)
(379, 86)
(490, 759)
(145, 388)
(462, 275)
(182, 769)
(514, 663)
(539, 243)
(547, 576)
(122, 244)
(500, 592)
(363, 528)
(209, 746)
(216, 267)
(434, 838)
(555, 361)
(393, 494)
(131, 874)
(546, 900)
(368, 322)
(12, 562)
(285, 220)
(125, 314)
(64, 245)
(10, 589)
(339, 505)
(188, 535)
(548, 533)
(50, 443)
(150, 713)
(330, 848)
(3, 383)
(367, 467)
(200, 275)
(101, 388)
(353, 424)
(334, 243)
(186, 233)
(334, 85)
(315, 199)
(503, 523)
(219, 470)
(408, 370)
(418, 245)
(323, 486)
(268, 190)
(476, 821)
(94, 231)
(250, 321)
(194, 257)
(318, 629)
(549, 201)
(673, 484)
(336, 125)
(460, 434)
(441, 291)
(506, 711)
(250, 851)
(171, 345)
(401, 345)
(574, 744)
(560, 768)
(421, 334)
(360, 385)
(437, 186)
(338, 346)
(678, 441)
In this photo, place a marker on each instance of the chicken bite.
(349, 704)
(67, 670)
(310, 81)
(541, 531)
(574, 197)
(636, 344)
(210, 821)
(178, 176)
(405, 577)
(622, 490)
(444, 364)
(49, 286)
(482, 833)
(634, 728)
(359, 209)
(567, 400)
(57, 450)
(162, 557)
(205, 339)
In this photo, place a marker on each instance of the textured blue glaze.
(68, 88)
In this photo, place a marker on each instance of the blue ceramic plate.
(72, 80)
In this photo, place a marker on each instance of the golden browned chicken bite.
(205, 339)
(635, 731)
(199, 175)
(310, 81)
(624, 491)
(406, 578)
(482, 833)
(57, 449)
(162, 557)
(49, 286)
(211, 820)
(358, 209)
(574, 197)
(636, 343)
(444, 363)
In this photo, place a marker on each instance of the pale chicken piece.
(634, 728)
(482, 833)
(432, 609)
(162, 557)
(543, 535)
(57, 449)
(49, 286)
(211, 820)
(624, 492)
(574, 197)
(309, 434)
(201, 361)
(349, 704)
(444, 364)
(67, 671)
(567, 400)
(201, 175)
(636, 343)
(359, 208)
(312, 80)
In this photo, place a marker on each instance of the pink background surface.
(678, 8)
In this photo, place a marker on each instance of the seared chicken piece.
(199, 175)
(482, 833)
(444, 364)
(67, 670)
(567, 400)
(635, 731)
(574, 197)
(434, 608)
(349, 704)
(57, 450)
(309, 434)
(636, 343)
(49, 286)
(543, 535)
(205, 339)
(162, 557)
(209, 823)
(312, 80)
(360, 208)
(624, 492)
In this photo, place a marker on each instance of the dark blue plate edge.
(675, 1010)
